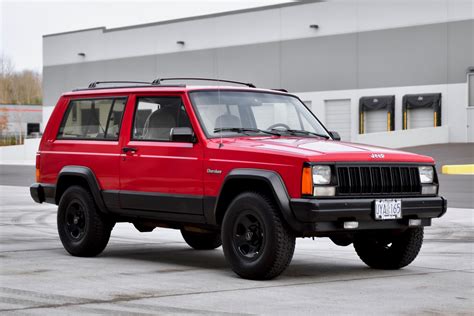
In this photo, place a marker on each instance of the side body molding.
(85, 174)
(275, 184)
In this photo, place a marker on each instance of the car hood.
(317, 149)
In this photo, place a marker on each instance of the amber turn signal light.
(38, 168)
(307, 181)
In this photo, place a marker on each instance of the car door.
(157, 175)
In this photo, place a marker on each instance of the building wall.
(360, 48)
(18, 117)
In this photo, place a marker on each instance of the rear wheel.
(389, 251)
(256, 241)
(202, 241)
(83, 231)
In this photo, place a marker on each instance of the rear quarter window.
(92, 119)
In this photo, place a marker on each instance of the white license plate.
(388, 209)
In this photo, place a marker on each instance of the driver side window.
(155, 117)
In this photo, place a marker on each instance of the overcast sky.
(23, 23)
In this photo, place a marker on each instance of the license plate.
(388, 209)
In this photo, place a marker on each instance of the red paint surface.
(180, 168)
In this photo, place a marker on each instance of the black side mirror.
(182, 135)
(335, 135)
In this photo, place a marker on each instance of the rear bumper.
(328, 215)
(43, 193)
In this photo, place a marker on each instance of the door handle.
(131, 150)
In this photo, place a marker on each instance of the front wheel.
(389, 251)
(256, 241)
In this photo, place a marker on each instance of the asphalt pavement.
(157, 273)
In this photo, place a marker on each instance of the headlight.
(426, 174)
(321, 174)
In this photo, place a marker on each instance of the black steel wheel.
(83, 231)
(248, 235)
(257, 242)
(75, 220)
(389, 250)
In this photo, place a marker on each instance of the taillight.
(38, 168)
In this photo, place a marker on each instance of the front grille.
(373, 180)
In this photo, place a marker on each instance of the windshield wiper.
(243, 130)
(299, 132)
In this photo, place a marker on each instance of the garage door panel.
(419, 118)
(338, 117)
(375, 121)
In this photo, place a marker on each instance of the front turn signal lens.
(307, 181)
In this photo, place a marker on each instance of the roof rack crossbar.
(159, 80)
(95, 83)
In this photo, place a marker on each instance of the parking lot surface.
(150, 273)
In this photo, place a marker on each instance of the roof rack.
(94, 84)
(159, 80)
(127, 84)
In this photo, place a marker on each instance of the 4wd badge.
(377, 156)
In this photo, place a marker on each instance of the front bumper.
(329, 215)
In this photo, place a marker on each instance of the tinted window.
(96, 119)
(156, 116)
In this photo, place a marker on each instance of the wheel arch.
(266, 181)
(79, 175)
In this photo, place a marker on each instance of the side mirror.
(182, 135)
(334, 135)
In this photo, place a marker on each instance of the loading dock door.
(376, 114)
(375, 121)
(421, 110)
(338, 117)
(418, 118)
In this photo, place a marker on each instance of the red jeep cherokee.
(249, 168)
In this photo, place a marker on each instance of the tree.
(19, 87)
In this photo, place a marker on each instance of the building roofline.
(191, 18)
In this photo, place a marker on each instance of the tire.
(257, 243)
(389, 252)
(83, 231)
(202, 241)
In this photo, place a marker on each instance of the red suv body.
(251, 168)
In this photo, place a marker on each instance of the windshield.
(224, 113)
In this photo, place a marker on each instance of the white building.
(330, 53)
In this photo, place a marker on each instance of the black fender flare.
(88, 175)
(276, 184)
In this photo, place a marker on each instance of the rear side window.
(94, 119)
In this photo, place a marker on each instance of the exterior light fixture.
(314, 26)
(180, 43)
(81, 54)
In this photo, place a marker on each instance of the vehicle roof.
(163, 88)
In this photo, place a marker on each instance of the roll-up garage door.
(376, 114)
(421, 110)
(338, 117)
